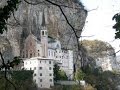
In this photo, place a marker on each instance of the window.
(23, 54)
(41, 85)
(34, 74)
(30, 68)
(49, 62)
(40, 80)
(50, 68)
(30, 55)
(45, 32)
(50, 74)
(34, 68)
(52, 53)
(40, 61)
(40, 74)
(38, 54)
(26, 63)
(40, 68)
(35, 80)
(42, 32)
(26, 53)
(38, 50)
(49, 53)
(50, 80)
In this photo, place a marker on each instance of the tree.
(59, 74)
(56, 72)
(116, 17)
(21, 79)
(62, 75)
(79, 75)
(6, 12)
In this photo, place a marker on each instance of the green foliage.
(22, 75)
(101, 80)
(72, 87)
(59, 74)
(79, 75)
(21, 79)
(62, 75)
(5, 13)
(56, 70)
(116, 17)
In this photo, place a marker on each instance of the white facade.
(104, 63)
(43, 71)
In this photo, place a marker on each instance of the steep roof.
(43, 20)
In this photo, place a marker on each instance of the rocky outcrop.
(29, 18)
(5, 48)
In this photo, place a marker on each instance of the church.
(40, 55)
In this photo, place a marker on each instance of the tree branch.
(5, 75)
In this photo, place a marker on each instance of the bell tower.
(44, 37)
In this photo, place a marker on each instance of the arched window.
(30, 55)
(49, 53)
(26, 54)
(42, 32)
(38, 54)
(23, 54)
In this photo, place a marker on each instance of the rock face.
(102, 53)
(6, 49)
(29, 17)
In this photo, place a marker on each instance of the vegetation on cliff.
(97, 48)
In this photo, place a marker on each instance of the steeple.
(31, 26)
(43, 20)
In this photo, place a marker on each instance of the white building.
(104, 63)
(45, 50)
(43, 71)
(107, 62)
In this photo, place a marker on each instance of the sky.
(99, 21)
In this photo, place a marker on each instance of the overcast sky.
(99, 22)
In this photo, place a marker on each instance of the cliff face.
(29, 17)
